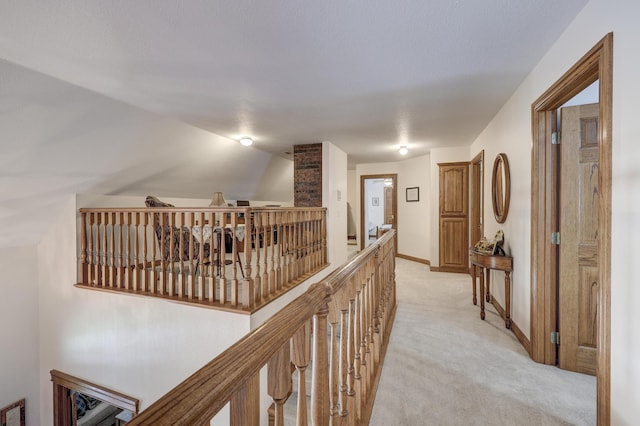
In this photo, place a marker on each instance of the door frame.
(394, 177)
(597, 64)
(476, 195)
(63, 383)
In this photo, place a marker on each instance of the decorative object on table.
(14, 414)
(217, 200)
(483, 246)
(493, 247)
(501, 188)
(413, 194)
(498, 242)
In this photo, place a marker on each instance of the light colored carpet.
(445, 366)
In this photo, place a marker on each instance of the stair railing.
(340, 326)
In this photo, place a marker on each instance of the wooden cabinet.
(454, 217)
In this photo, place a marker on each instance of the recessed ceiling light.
(246, 141)
(403, 150)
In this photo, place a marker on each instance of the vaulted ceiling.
(368, 76)
(150, 96)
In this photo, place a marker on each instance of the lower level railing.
(340, 326)
(228, 258)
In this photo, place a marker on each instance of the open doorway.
(548, 200)
(476, 195)
(77, 402)
(378, 206)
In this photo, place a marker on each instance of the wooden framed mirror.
(500, 187)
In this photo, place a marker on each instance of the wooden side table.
(487, 262)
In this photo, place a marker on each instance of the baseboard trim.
(414, 259)
(447, 269)
(526, 344)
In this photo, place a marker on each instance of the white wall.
(19, 330)
(510, 132)
(351, 200)
(139, 346)
(441, 155)
(414, 234)
(334, 198)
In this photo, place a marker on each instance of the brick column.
(307, 175)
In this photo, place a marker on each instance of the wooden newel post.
(320, 410)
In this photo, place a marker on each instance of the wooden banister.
(360, 297)
(201, 396)
(181, 253)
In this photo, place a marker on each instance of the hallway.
(444, 366)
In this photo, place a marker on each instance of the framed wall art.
(413, 194)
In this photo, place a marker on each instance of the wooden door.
(578, 285)
(454, 217)
(389, 205)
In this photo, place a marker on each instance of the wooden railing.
(340, 326)
(227, 258)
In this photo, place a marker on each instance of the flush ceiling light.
(403, 150)
(246, 141)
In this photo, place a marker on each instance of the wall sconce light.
(218, 200)
(403, 150)
(246, 141)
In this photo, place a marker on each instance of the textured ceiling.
(366, 75)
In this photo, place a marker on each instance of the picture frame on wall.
(413, 194)
(14, 414)
(375, 201)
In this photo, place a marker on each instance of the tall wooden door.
(578, 284)
(389, 205)
(454, 217)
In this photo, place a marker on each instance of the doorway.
(378, 207)
(547, 201)
(476, 186)
(77, 402)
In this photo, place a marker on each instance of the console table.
(487, 262)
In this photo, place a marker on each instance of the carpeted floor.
(444, 366)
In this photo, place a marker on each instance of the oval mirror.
(500, 187)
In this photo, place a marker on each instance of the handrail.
(228, 258)
(361, 293)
